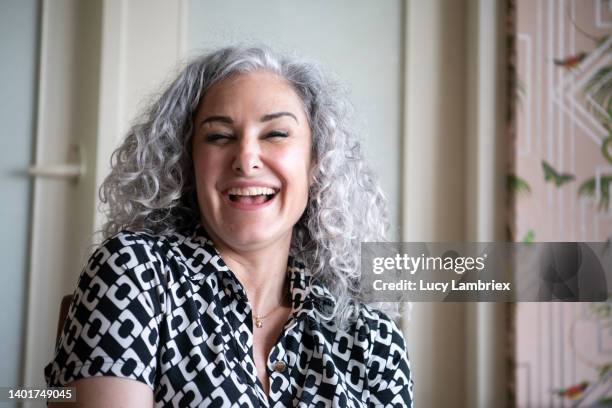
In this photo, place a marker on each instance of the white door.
(98, 58)
(63, 205)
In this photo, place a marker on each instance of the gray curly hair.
(151, 185)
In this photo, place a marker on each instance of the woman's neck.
(262, 273)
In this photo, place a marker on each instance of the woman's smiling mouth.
(250, 198)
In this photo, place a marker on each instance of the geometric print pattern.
(167, 311)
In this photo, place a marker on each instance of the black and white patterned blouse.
(167, 311)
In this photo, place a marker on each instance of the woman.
(230, 275)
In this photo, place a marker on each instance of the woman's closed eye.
(222, 138)
(219, 137)
(276, 134)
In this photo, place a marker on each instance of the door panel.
(63, 208)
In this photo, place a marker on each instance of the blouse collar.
(308, 296)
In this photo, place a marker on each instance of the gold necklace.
(259, 318)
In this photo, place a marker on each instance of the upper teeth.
(251, 191)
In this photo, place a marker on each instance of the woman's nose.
(247, 159)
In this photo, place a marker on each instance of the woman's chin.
(255, 239)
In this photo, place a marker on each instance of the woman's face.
(252, 160)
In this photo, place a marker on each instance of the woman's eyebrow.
(271, 116)
(223, 119)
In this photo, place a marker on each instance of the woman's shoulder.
(143, 257)
(131, 247)
(381, 327)
(370, 330)
(138, 260)
(136, 238)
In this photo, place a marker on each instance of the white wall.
(359, 41)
